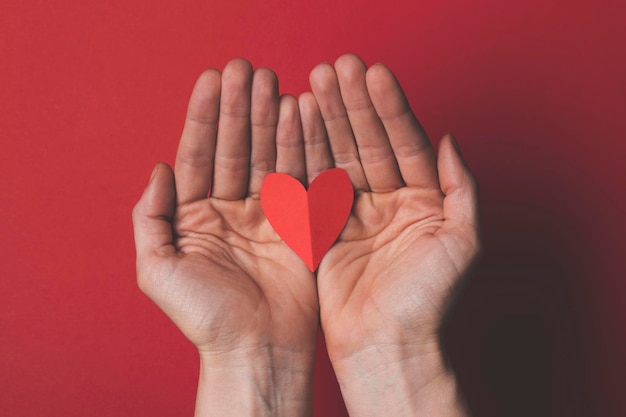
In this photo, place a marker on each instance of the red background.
(93, 93)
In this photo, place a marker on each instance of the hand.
(413, 233)
(214, 265)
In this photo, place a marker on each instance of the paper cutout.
(308, 221)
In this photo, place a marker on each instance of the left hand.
(413, 233)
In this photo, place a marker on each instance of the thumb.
(152, 215)
(460, 205)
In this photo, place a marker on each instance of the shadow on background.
(512, 340)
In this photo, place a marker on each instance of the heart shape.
(308, 221)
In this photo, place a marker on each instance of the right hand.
(213, 264)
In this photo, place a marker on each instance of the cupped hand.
(413, 231)
(213, 263)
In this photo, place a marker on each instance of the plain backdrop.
(93, 94)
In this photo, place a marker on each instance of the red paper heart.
(308, 221)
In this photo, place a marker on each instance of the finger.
(196, 150)
(289, 142)
(153, 214)
(232, 153)
(460, 205)
(264, 118)
(375, 153)
(316, 147)
(325, 88)
(409, 142)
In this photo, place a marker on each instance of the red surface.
(92, 94)
(309, 221)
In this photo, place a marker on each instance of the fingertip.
(323, 77)
(289, 108)
(455, 177)
(155, 170)
(451, 157)
(448, 137)
(238, 64)
(156, 204)
(264, 98)
(207, 82)
(237, 74)
(204, 100)
(164, 170)
(289, 133)
(307, 95)
(380, 79)
(154, 176)
(160, 193)
(379, 66)
(267, 77)
(449, 163)
(347, 57)
(307, 103)
(209, 76)
(350, 66)
(386, 92)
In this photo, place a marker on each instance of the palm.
(233, 275)
(378, 278)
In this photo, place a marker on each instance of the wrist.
(262, 381)
(398, 380)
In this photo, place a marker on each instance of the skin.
(413, 233)
(214, 265)
(249, 304)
